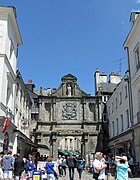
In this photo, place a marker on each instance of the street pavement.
(88, 176)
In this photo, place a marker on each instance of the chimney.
(41, 90)
(115, 78)
(30, 86)
(133, 17)
(30, 81)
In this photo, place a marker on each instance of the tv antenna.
(120, 64)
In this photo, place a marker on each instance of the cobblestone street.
(88, 176)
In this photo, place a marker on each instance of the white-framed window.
(116, 102)
(120, 97)
(127, 119)
(113, 128)
(122, 123)
(112, 107)
(126, 92)
(108, 111)
(117, 126)
(137, 56)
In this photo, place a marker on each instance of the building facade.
(132, 47)
(69, 119)
(9, 41)
(104, 87)
(15, 102)
(118, 116)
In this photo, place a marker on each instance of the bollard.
(109, 176)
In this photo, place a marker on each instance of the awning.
(67, 152)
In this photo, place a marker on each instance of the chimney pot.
(30, 81)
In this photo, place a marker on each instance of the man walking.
(71, 161)
(99, 167)
(8, 165)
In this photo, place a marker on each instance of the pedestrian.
(99, 167)
(80, 164)
(30, 165)
(8, 165)
(122, 167)
(1, 169)
(18, 167)
(50, 169)
(131, 165)
(59, 162)
(71, 162)
(64, 164)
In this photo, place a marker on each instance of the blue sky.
(72, 36)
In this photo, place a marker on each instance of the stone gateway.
(68, 119)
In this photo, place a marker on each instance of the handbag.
(95, 175)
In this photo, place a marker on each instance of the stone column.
(54, 110)
(40, 110)
(54, 147)
(84, 111)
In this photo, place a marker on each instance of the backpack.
(80, 164)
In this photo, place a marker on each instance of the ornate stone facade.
(68, 115)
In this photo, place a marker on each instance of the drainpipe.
(130, 103)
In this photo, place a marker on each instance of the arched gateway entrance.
(69, 118)
(70, 144)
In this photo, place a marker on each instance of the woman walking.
(80, 164)
(122, 167)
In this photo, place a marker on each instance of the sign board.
(41, 165)
(37, 175)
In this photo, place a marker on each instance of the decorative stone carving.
(69, 131)
(69, 90)
(24, 123)
(69, 111)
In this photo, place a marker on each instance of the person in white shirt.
(99, 166)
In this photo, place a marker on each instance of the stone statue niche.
(68, 90)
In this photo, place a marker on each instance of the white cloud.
(134, 10)
(138, 1)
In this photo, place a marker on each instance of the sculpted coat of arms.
(69, 111)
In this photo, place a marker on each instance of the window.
(117, 124)
(126, 93)
(120, 98)
(127, 119)
(137, 57)
(116, 103)
(112, 107)
(113, 128)
(108, 111)
(122, 128)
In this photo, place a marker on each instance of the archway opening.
(69, 145)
